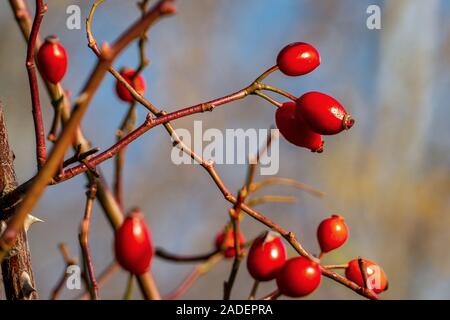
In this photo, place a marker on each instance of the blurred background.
(388, 176)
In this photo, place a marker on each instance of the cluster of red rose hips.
(299, 276)
(302, 123)
(313, 114)
(266, 260)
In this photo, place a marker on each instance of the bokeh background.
(388, 176)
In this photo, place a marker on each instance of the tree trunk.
(17, 273)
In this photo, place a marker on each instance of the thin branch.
(41, 150)
(252, 294)
(194, 276)
(288, 95)
(84, 240)
(103, 278)
(163, 254)
(269, 98)
(238, 255)
(287, 182)
(336, 266)
(128, 295)
(128, 124)
(270, 199)
(57, 114)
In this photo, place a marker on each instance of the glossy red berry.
(225, 242)
(266, 256)
(376, 277)
(298, 277)
(323, 114)
(132, 244)
(297, 59)
(332, 233)
(52, 60)
(295, 130)
(138, 83)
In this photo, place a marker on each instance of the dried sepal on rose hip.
(225, 242)
(266, 256)
(323, 114)
(297, 59)
(298, 277)
(332, 233)
(136, 81)
(52, 60)
(132, 244)
(295, 130)
(376, 277)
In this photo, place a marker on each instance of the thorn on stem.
(26, 286)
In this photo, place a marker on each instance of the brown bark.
(17, 273)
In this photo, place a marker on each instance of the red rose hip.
(132, 244)
(52, 60)
(225, 242)
(376, 277)
(298, 277)
(295, 130)
(266, 256)
(138, 83)
(332, 233)
(323, 114)
(297, 59)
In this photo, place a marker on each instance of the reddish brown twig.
(238, 255)
(127, 125)
(84, 240)
(103, 278)
(41, 151)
